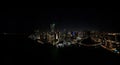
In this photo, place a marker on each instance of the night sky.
(28, 19)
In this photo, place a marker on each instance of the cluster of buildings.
(66, 38)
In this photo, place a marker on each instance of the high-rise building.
(52, 27)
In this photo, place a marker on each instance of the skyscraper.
(52, 27)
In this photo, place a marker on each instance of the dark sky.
(27, 19)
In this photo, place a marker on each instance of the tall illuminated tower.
(52, 27)
(53, 24)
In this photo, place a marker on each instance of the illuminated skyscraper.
(52, 27)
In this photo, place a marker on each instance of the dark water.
(20, 50)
